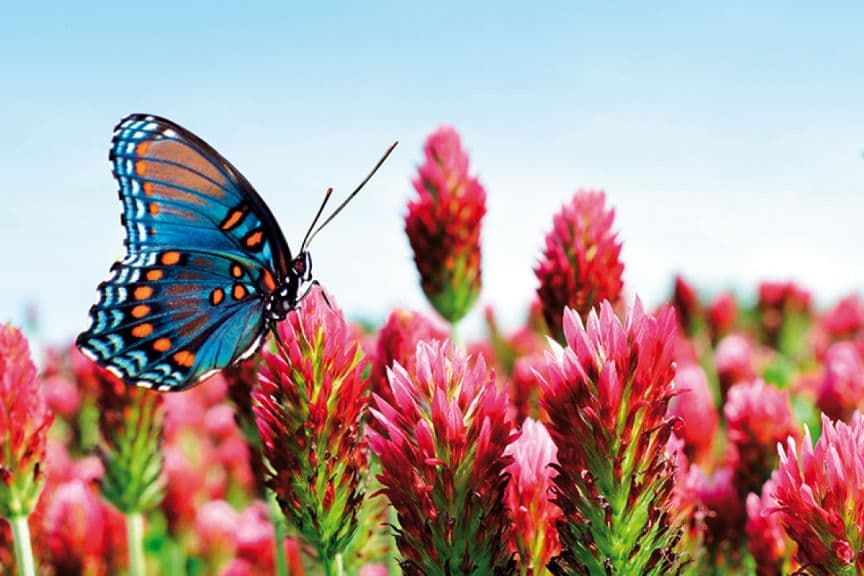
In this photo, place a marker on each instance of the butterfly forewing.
(202, 254)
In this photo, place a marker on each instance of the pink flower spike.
(24, 423)
(534, 535)
(580, 266)
(443, 464)
(820, 497)
(695, 407)
(308, 404)
(443, 226)
(842, 386)
(768, 543)
(758, 416)
(606, 395)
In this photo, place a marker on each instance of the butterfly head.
(285, 298)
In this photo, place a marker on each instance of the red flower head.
(24, 423)
(83, 534)
(441, 449)
(397, 342)
(443, 226)
(758, 416)
(580, 265)
(723, 511)
(534, 535)
(846, 319)
(695, 407)
(767, 541)
(820, 495)
(606, 395)
(308, 406)
(722, 314)
(687, 305)
(842, 389)
(734, 361)
(782, 307)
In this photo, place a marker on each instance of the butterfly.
(207, 271)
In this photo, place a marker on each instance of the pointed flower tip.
(533, 515)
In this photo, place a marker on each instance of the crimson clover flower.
(733, 360)
(580, 266)
(441, 446)
(768, 543)
(606, 394)
(784, 309)
(842, 385)
(688, 308)
(820, 497)
(443, 226)
(534, 535)
(722, 315)
(695, 407)
(308, 407)
(758, 416)
(83, 534)
(24, 423)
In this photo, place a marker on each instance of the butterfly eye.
(302, 267)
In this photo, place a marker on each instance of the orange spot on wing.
(143, 292)
(269, 283)
(140, 311)
(140, 167)
(238, 292)
(148, 188)
(141, 148)
(236, 271)
(234, 218)
(217, 296)
(142, 330)
(162, 344)
(154, 275)
(254, 239)
(170, 258)
(184, 358)
(154, 209)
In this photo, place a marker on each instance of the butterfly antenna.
(354, 193)
(315, 221)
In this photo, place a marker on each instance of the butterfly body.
(206, 272)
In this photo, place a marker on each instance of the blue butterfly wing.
(203, 252)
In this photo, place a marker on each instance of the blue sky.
(728, 136)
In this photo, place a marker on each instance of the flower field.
(709, 434)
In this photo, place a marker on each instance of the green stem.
(279, 531)
(23, 549)
(333, 566)
(456, 336)
(135, 537)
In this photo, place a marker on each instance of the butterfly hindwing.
(167, 326)
(203, 252)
